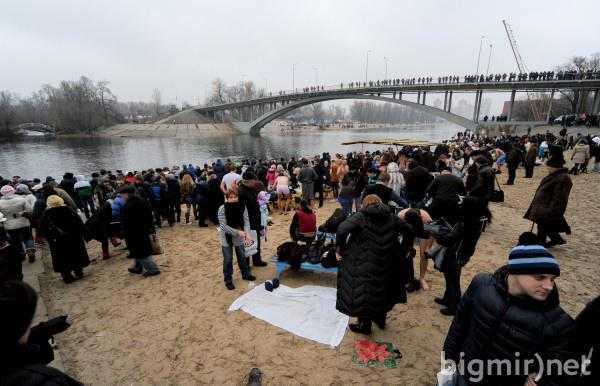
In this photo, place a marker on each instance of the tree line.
(75, 106)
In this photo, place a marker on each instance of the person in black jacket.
(24, 350)
(173, 200)
(248, 190)
(417, 180)
(371, 261)
(215, 197)
(514, 158)
(460, 243)
(444, 191)
(321, 181)
(588, 338)
(11, 266)
(138, 227)
(201, 202)
(384, 192)
(515, 315)
(66, 235)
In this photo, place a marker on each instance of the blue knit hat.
(532, 260)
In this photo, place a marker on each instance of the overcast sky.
(180, 46)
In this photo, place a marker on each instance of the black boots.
(362, 327)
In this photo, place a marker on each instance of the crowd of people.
(467, 78)
(391, 204)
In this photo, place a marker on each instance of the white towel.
(307, 311)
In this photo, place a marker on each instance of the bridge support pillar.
(394, 96)
(596, 104)
(445, 100)
(400, 95)
(512, 104)
(550, 106)
(424, 94)
(477, 106)
(418, 97)
(449, 101)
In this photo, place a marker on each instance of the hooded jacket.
(13, 207)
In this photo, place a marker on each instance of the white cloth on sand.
(307, 311)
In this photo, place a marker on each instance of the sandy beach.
(174, 329)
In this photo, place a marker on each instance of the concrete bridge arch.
(256, 125)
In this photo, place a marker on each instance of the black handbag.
(497, 195)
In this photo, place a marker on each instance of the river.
(52, 157)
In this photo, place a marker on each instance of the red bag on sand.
(367, 351)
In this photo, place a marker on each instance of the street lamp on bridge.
(367, 67)
(386, 59)
(479, 55)
(316, 75)
(487, 71)
(293, 77)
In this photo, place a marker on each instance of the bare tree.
(577, 98)
(107, 100)
(7, 112)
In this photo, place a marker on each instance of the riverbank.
(175, 328)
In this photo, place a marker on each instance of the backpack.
(328, 259)
(316, 250)
(292, 253)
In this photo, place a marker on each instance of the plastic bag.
(447, 377)
(251, 243)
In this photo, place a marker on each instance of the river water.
(52, 157)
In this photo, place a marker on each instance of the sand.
(174, 329)
(168, 130)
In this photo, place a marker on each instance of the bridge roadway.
(255, 113)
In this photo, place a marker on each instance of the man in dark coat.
(24, 350)
(417, 180)
(173, 199)
(248, 190)
(484, 185)
(66, 236)
(138, 228)
(530, 158)
(514, 315)
(369, 277)
(547, 209)
(215, 197)
(460, 245)
(445, 190)
(514, 156)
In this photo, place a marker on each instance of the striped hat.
(532, 260)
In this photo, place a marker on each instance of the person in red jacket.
(304, 223)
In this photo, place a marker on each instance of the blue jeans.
(228, 261)
(21, 236)
(146, 263)
(346, 204)
(357, 203)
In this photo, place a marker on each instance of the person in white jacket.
(23, 191)
(16, 210)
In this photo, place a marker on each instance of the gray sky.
(180, 46)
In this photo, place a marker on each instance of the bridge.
(37, 127)
(256, 113)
